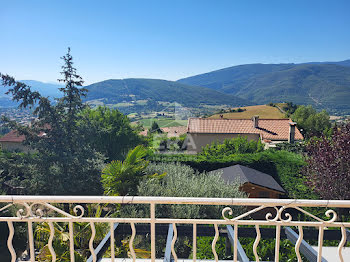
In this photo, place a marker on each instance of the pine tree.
(64, 162)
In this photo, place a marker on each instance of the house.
(204, 131)
(255, 183)
(173, 131)
(12, 141)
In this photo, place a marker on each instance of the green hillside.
(326, 86)
(118, 91)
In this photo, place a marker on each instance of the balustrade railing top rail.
(176, 200)
(34, 210)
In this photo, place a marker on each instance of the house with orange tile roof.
(13, 141)
(204, 131)
(173, 131)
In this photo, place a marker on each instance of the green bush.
(237, 145)
(284, 166)
(176, 180)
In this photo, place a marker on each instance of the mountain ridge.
(114, 91)
(325, 85)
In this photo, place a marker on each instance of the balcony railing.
(280, 214)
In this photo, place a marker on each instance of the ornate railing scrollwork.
(38, 210)
(280, 215)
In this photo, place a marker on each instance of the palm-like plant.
(122, 178)
(82, 233)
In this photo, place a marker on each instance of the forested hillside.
(323, 85)
(115, 91)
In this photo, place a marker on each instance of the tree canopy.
(310, 122)
(64, 161)
(328, 168)
(112, 133)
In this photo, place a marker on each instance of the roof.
(271, 129)
(174, 131)
(249, 175)
(12, 136)
(144, 133)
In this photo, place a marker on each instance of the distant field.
(162, 122)
(263, 111)
(123, 104)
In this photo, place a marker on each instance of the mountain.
(342, 63)
(326, 85)
(45, 89)
(123, 90)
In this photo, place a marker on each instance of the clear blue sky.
(167, 39)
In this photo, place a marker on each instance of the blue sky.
(167, 39)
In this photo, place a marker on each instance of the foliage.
(61, 243)
(16, 173)
(176, 180)
(113, 136)
(155, 128)
(237, 145)
(289, 108)
(121, 178)
(204, 250)
(311, 123)
(284, 166)
(266, 249)
(298, 148)
(328, 164)
(65, 162)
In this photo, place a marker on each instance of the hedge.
(284, 166)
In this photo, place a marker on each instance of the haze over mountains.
(325, 85)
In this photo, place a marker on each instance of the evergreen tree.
(155, 128)
(64, 162)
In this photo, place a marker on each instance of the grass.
(162, 122)
(123, 104)
(263, 111)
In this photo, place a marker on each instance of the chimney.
(291, 136)
(255, 121)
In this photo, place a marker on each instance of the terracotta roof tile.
(12, 136)
(175, 131)
(272, 129)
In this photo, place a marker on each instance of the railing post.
(153, 232)
(31, 242)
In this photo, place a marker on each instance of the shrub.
(237, 145)
(285, 167)
(177, 180)
(298, 148)
(328, 166)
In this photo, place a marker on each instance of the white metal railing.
(33, 209)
